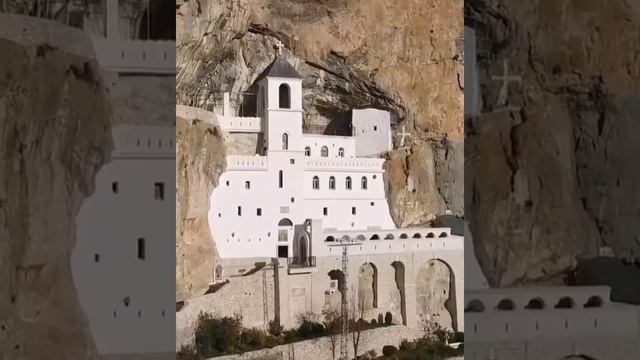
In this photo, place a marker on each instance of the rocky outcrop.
(553, 179)
(200, 153)
(54, 137)
(405, 59)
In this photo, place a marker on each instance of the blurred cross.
(506, 80)
(402, 135)
(279, 47)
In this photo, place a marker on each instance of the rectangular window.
(158, 190)
(259, 212)
(141, 249)
(280, 179)
(293, 200)
(372, 203)
(114, 187)
(325, 211)
(284, 209)
(283, 235)
(353, 210)
(292, 161)
(239, 210)
(375, 128)
(247, 184)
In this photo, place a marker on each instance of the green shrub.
(390, 351)
(388, 318)
(215, 336)
(275, 328)
(187, 352)
(255, 338)
(309, 329)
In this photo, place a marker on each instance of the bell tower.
(280, 105)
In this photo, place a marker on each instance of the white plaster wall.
(333, 144)
(140, 56)
(108, 225)
(284, 121)
(372, 131)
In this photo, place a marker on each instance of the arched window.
(307, 151)
(285, 141)
(535, 304)
(341, 152)
(363, 183)
(316, 183)
(347, 183)
(474, 305)
(594, 301)
(565, 303)
(506, 305)
(332, 183)
(324, 151)
(285, 96)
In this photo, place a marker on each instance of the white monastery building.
(290, 204)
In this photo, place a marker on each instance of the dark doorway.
(158, 23)
(283, 251)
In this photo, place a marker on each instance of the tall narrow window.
(353, 210)
(307, 151)
(239, 210)
(363, 184)
(285, 141)
(247, 184)
(280, 179)
(316, 183)
(259, 212)
(141, 249)
(324, 151)
(285, 96)
(332, 183)
(347, 183)
(114, 187)
(341, 152)
(325, 211)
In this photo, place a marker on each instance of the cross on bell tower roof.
(281, 68)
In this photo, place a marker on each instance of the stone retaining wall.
(320, 349)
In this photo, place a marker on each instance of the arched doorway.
(367, 287)
(398, 301)
(435, 295)
(285, 232)
(333, 295)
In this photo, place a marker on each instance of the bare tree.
(357, 324)
(332, 324)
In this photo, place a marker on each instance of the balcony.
(301, 265)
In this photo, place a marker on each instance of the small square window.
(114, 187)
(292, 161)
(239, 210)
(247, 184)
(158, 190)
(372, 203)
(353, 210)
(259, 212)
(325, 211)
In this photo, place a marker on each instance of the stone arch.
(578, 357)
(443, 234)
(284, 96)
(417, 236)
(375, 237)
(474, 306)
(535, 304)
(594, 302)
(430, 235)
(330, 238)
(404, 236)
(333, 299)
(565, 303)
(436, 295)
(398, 298)
(361, 237)
(506, 304)
(368, 287)
(389, 237)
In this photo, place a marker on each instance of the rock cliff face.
(53, 119)
(556, 177)
(405, 59)
(200, 153)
